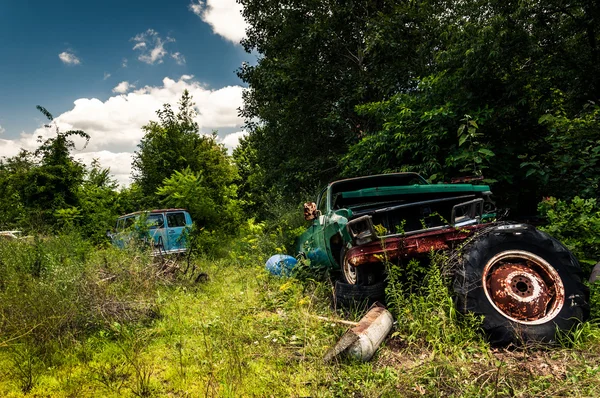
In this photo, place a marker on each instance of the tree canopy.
(443, 87)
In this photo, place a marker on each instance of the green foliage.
(595, 302)
(315, 67)
(12, 174)
(253, 191)
(174, 144)
(56, 291)
(51, 182)
(570, 165)
(419, 297)
(575, 223)
(100, 203)
(210, 208)
(377, 87)
(415, 136)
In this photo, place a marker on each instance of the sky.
(106, 67)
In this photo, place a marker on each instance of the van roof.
(150, 212)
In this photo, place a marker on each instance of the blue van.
(167, 229)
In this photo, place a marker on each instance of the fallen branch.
(340, 321)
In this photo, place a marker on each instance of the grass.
(244, 333)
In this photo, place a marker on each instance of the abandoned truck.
(525, 284)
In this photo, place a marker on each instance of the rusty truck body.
(526, 284)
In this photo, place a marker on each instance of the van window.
(176, 220)
(156, 221)
(129, 221)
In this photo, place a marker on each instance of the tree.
(54, 181)
(98, 203)
(318, 60)
(176, 166)
(443, 87)
(12, 177)
(174, 144)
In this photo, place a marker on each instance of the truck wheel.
(348, 295)
(365, 275)
(525, 283)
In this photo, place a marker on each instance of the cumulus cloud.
(123, 87)
(114, 125)
(151, 48)
(231, 141)
(224, 16)
(69, 58)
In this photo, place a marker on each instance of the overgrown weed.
(420, 299)
(247, 333)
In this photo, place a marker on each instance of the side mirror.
(310, 211)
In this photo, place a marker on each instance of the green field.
(100, 322)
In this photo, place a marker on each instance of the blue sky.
(107, 66)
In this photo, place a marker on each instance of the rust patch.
(395, 247)
(310, 211)
(519, 291)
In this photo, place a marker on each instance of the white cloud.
(114, 125)
(8, 148)
(69, 58)
(106, 75)
(119, 163)
(224, 16)
(233, 140)
(179, 58)
(151, 48)
(2, 129)
(124, 63)
(123, 87)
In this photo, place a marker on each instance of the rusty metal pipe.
(363, 340)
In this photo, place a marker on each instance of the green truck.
(525, 283)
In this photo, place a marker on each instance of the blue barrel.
(280, 264)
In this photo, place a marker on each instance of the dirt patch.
(395, 354)
(539, 362)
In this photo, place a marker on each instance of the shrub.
(419, 297)
(576, 223)
(54, 291)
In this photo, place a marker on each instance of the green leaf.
(546, 118)
(486, 152)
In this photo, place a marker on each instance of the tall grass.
(244, 332)
(56, 291)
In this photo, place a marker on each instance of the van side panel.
(176, 224)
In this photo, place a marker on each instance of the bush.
(576, 223)
(57, 290)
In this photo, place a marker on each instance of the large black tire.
(525, 283)
(347, 295)
(365, 275)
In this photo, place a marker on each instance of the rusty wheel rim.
(349, 272)
(523, 287)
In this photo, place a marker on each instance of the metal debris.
(363, 340)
